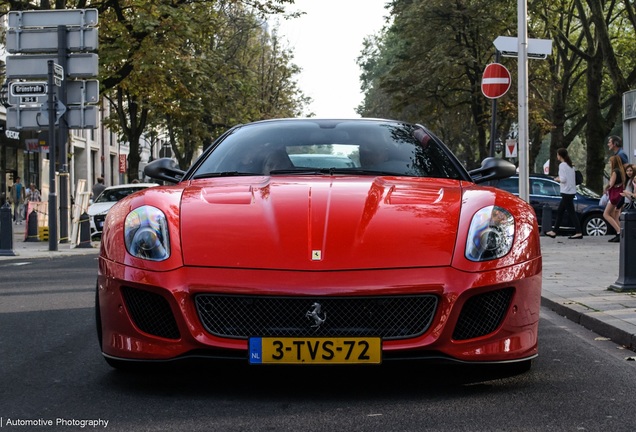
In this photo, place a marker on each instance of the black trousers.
(567, 204)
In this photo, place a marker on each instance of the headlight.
(491, 234)
(146, 234)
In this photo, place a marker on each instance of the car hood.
(330, 223)
(99, 208)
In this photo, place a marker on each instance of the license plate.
(353, 350)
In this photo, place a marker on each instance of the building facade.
(92, 153)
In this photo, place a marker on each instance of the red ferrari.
(304, 241)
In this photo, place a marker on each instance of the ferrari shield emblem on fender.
(316, 255)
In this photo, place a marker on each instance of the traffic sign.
(537, 48)
(36, 66)
(53, 18)
(58, 74)
(37, 118)
(45, 40)
(33, 88)
(511, 148)
(25, 100)
(496, 81)
(82, 92)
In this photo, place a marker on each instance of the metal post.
(6, 231)
(546, 219)
(522, 86)
(493, 116)
(626, 270)
(52, 160)
(62, 53)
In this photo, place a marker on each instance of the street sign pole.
(62, 52)
(54, 45)
(523, 48)
(493, 116)
(52, 144)
(522, 85)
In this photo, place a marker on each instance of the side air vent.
(151, 313)
(482, 314)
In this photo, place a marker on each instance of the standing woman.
(628, 193)
(614, 189)
(567, 183)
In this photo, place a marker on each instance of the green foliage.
(188, 69)
(427, 67)
(194, 69)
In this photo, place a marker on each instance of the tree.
(185, 75)
(429, 65)
(164, 63)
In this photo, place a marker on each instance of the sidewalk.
(576, 275)
(40, 249)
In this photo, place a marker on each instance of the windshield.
(329, 147)
(583, 190)
(113, 195)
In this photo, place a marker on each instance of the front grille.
(482, 314)
(99, 221)
(151, 313)
(391, 317)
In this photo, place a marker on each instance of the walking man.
(17, 199)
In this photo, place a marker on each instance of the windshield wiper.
(300, 171)
(374, 172)
(224, 174)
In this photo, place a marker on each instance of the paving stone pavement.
(577, 275)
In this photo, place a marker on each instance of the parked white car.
(100, 206)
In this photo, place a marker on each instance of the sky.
(326, 42)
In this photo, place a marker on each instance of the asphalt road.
(52, 374)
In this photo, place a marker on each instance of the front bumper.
(506, 300)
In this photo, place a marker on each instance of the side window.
(509, 184)
(551, 188)
(541, 187)
(537, 187)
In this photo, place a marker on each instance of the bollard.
(85, 231)
(626, 274)
(546, 219)
(32, 227)
(6, 231)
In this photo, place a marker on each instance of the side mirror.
(493, 169)
(164, 169)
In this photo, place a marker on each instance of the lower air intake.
(482, 314)
(151, 313)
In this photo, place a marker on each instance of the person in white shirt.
(567, 183)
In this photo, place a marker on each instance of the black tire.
(595, 225)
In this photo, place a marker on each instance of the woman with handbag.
(567, 184)
(614, 189)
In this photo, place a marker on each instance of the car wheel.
(595, 225)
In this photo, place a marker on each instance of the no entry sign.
(496, 81)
